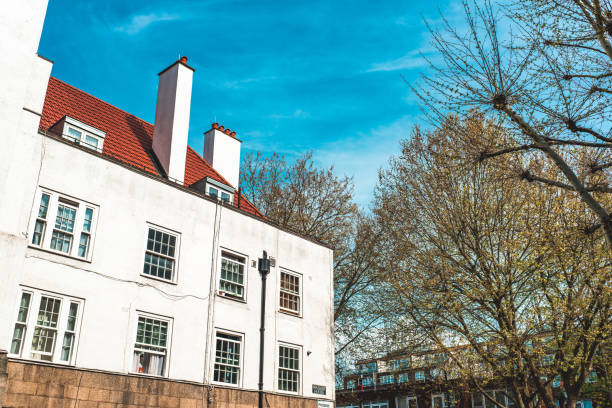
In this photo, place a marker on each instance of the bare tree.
(508, 274)
(318, 203)
(543, 68)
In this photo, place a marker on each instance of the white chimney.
(222, 152)
(172, 118)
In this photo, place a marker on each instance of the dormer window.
(219, 194)
(80, 133)
(216, 189)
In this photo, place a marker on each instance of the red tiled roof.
(128, 138)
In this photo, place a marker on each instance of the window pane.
(213, 192)
(17, 339)
(72, 315)
(159, 260)
(39, 232)
(44, 206)
(290, 292)
(74, 134)
(288, 371)
(88, 220)
(61, 241)
(232, 275)
(227, 359)
(67, 347)
(91, 141)
(24, 306)
(84, 245)
(65, 218)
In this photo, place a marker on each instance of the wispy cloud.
(412, 60)
(139, 22)
(244, 82)
(297, 114)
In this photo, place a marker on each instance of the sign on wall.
(318, 389)
(325, 404)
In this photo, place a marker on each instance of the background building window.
(231, 281)
(386, 379)
(160, 254)
(150, 350)
(419, 375)
(288, 368)
(290, 292)
(437, 401)
(227, 358)
(52, 317)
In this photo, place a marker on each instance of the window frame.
(177, 252)
(25, 351)
(84, 130)
(422, 376)
(80, 206)
(300, 277)
(434, 396)
(241, 357)
(170, 322)
(279, 368)
(220, 189)
(227, 295)
(413, 398)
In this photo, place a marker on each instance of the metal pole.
(264, 270)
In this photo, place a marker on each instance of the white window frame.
(168, 347)
(241, 357)
(245, 265)
(279, 368)
(434, 396)
(61, 330)
(79, 230)
(221, 192)
(300, 296)
(175, 259)
(84, 130)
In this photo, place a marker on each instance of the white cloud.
(141, 21)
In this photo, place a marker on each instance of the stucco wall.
(114, 289)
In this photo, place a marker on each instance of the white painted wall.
(127, 202)
(172, 119)
(223, 153)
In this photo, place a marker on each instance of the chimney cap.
(182, 61)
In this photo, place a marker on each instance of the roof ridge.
(103, 101)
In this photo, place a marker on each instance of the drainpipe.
(263, 266)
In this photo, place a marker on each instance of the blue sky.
(287, 76)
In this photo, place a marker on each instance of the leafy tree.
(504, 279)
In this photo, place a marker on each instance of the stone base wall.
(34, 385)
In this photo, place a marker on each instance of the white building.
(123, 250)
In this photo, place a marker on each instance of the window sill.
(146, 375)
(224, 384)
(232, 298)
(62, 254)
(290, 313)
(144, 275)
